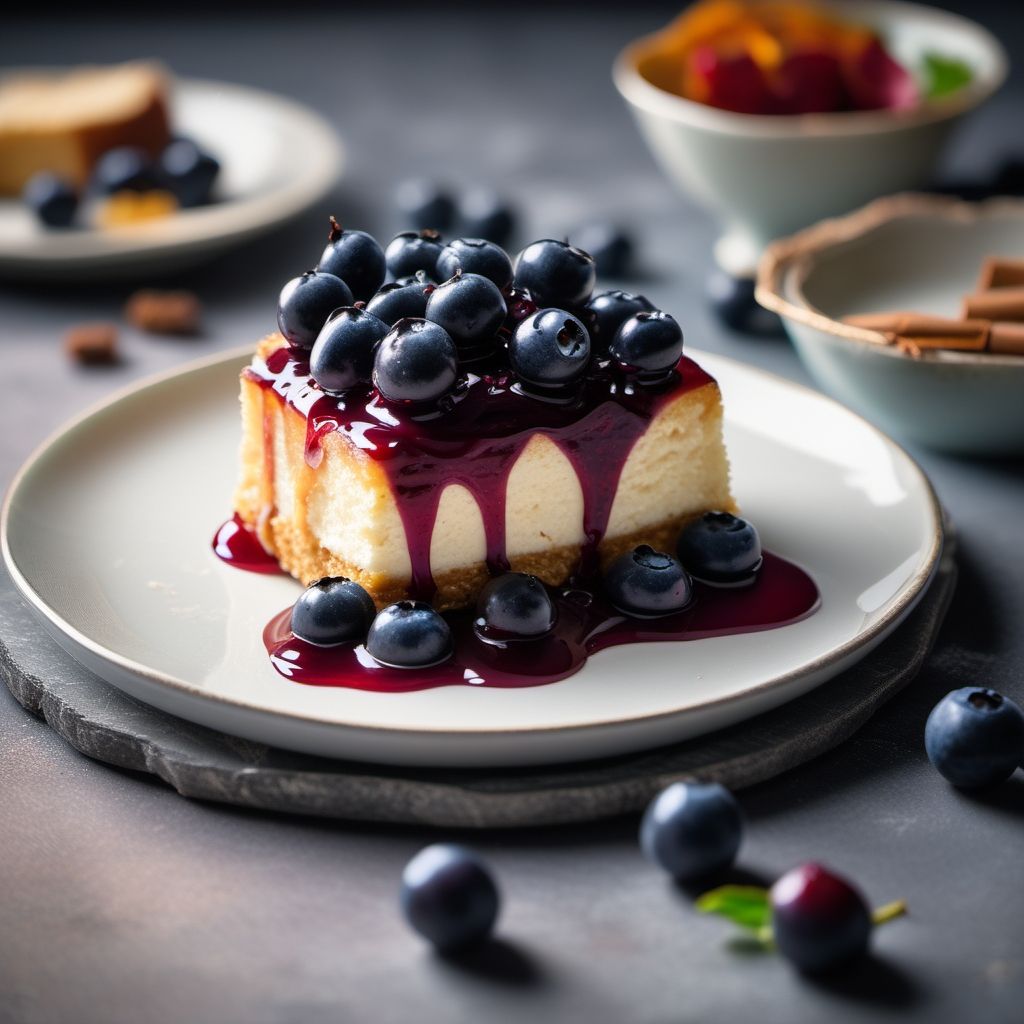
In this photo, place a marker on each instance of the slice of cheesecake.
(64, 122)
(429, 506)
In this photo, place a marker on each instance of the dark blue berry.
(409, 634)
(555, 273)
(449, 896)
(610, 245)
(975, 737)
(356, 258)
(51, 199)
(475, 256)
(416, 362)
(413, 250)
(732, 300)
(342, 355)
(692, 829)
(549, 349)
(469, 307)
(423, 204)
(188, 171)
(124, 168)
(401, 300)
(305, 304)
(486, 215)
(609, 311)
(515, 605)
(719, 547)
(648, 343)
(819, 920)
(646, 583)
(333, 611)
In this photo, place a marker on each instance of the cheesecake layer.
(430, 507)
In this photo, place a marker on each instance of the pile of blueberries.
(717, 548)
(183, 168)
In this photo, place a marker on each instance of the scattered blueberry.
(424, 204)
(416, 362)
(975, 737)
(609, 311)
(819, 919)
(486, 215)
(51, 199)
(610, 246)
(125, 167)
(356, 258)
(333, 611)
(515, 605)
(469, 307)
(342, 355)
(410, 251)
(555, 273)
(449, 896)
(397, 301)
(188, 171)
(409, 634)
(719, 547)
(732, 300)
(646, 583)
(305, 304)
(692, 829)
(475, 256)
(549, 349)
(648, 343)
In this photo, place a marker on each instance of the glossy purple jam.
(237, 544)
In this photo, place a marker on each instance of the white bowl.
(765, 176)
(910, 252)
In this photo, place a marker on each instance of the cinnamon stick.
(1000, 272)
(1002, 303)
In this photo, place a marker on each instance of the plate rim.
(912, 591)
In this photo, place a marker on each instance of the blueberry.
(475, 256)
(609, 311)
(125, 167)
(305, 304)
(819, 919)
(448, 895)
(486, 215)
(549, 349)
(188, 171)
(555, 273)
(416, 362)
(516, 605)
(610, 246)
(413, 250)
(648, 343)
(409, 634)
(333, 611)
(469, 307)
(342, 355)
(975, 737)
(646, 583)
(51, 199)
(397, 301)
(424, 204)
(732, 300)
(692, 829)
(719, 547)
(356, 258)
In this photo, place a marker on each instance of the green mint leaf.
(745, 905)
(944, 75)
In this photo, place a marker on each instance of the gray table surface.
(120, 901)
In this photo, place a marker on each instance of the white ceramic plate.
(277, 157)
(106, 531)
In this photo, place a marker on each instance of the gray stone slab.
(105, 724)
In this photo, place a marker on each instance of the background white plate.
(277, 157)
(107, 531)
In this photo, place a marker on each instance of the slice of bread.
(63, 122)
